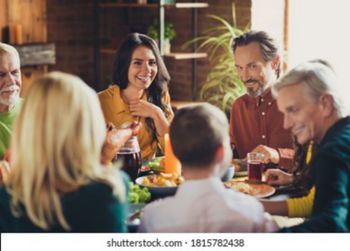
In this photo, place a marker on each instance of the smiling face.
(253, 70)
(304, 116)
(10, 80)
(143, 68)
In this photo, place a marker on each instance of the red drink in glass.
(255, 171)
(255, 166)
(131, 162)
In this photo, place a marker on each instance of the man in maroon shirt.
(256, 125)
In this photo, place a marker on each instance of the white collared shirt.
(206, 206)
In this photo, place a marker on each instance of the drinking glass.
(130, 156)
(255, 166)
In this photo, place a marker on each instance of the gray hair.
(318, 78)
(9, 49)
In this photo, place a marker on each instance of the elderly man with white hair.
(309, 97)
(10, 86)
(10, 103)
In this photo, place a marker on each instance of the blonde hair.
(56, 148)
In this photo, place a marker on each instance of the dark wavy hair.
(158, 87)
(268, 46)
(301, 172)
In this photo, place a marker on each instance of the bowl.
(157, 192)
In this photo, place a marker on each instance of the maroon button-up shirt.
(257, 120)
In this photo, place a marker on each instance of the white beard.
(10, 101)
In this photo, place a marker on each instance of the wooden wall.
(3, 17)
(30, 15)
(70, 26)
(116, 23)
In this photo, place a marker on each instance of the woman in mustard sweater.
(140, 92)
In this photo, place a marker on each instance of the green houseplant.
(169, 33)
(222, 85)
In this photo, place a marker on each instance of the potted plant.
(222, 85)
(169, 34)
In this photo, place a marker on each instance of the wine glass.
(130, 156)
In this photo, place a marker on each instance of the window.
(316, 29)
(319, 29)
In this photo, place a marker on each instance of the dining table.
(280, 193)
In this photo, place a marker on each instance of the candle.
(16, 34)
(172, 164)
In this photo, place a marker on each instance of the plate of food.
(153, 166)
(259, 190)
(156, 166)
(160, 185)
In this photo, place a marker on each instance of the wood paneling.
(31, 14)
(3, 17)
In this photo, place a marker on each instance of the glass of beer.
(130, 156)
(255, 166)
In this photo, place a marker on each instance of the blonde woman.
(57, 182)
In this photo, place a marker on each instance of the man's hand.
(270, 154)
(277, 177)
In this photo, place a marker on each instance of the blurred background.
(81, 37)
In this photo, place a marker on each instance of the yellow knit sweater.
(302, 207)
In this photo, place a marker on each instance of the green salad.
(138, 194)
(156, 164)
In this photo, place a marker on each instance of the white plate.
(256, 190)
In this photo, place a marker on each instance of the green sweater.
(6, 122)
(92, 208)
(330, 171)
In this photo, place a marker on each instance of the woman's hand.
(4, 171)
(115, 139)
(277, 177)
(143, 108)
(7, 156)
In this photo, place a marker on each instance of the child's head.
(199, 137)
